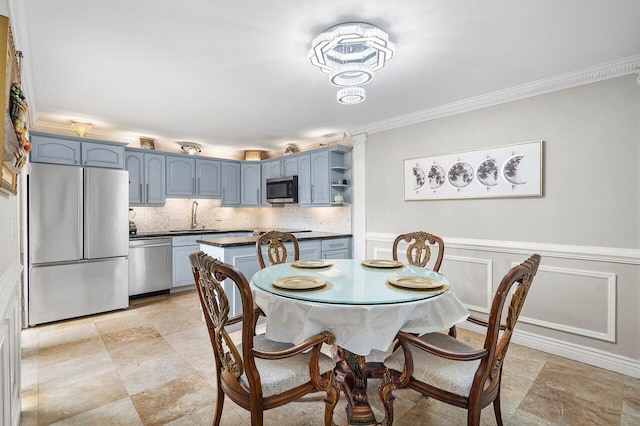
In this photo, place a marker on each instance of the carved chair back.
(209, 274)
(419, 250)
(496, 343)
(276, 250)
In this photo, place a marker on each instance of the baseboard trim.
(596, 357)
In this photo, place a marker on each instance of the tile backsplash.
(176, 214)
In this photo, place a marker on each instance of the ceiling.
(236, 74)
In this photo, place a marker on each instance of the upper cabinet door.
(208, 178)
(276, 168)
(155, 182)
(304, 179)
(54, 150)
(250, 183)
(134, 164)
(290, 166)
(230, 183)
(180, 176)
(102, 155)
(320, 193)
(266, 174)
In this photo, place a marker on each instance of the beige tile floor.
(153, 364)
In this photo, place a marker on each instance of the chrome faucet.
(194, 211)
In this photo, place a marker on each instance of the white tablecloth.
(361, 329)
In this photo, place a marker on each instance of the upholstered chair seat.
(452, 376)
(277, 376)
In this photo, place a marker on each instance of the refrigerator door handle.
(81, 210)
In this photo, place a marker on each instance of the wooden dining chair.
(446, 369)
(276, 251)
(419, 253)
(259, 374)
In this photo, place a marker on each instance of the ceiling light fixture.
(350, 53)
(81, 128)
(190, 148)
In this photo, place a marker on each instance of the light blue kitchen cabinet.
(304, 179)
(313, 179)
(250, 178)
(284, 167)
(320, 193)
(181, 248)
(182, 273)
(46, 149)
(155, 182)
(336, 248)
(230, 183)
(102, 155)
(146, 178)
(55, 149)
(290, 166)
(208, 178)
(266, 174)
(181, 176)
(189, 177)
(322, 175)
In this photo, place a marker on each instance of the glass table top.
(349, 283)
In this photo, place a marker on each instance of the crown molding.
(605, 71)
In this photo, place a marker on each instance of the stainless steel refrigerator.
(78, 241)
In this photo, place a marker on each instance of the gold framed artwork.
(147, 143)
(14, 142)
(503, 171)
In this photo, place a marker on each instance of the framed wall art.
(503, 171)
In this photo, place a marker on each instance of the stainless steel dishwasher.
(149, 265)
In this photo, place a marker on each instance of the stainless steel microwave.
(282, 190)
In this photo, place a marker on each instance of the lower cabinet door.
(182, 273)
(336, 254)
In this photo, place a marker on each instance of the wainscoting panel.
(576, 301)
(472, 280)
(583, 303)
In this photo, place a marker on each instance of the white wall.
(584, 302)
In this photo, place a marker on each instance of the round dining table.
(363, 304)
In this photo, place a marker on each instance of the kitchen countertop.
(181, 232)
(245, 241)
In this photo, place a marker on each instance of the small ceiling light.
(351, 95)
(81, 128)
(350, 53)
(190, 148)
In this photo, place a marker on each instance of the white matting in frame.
(503, 171)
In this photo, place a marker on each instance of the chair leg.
(333, 395)
(473, 415)
(496, 408)
(256, 417)
(219, 405)
(385, 388)
(453, 332)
